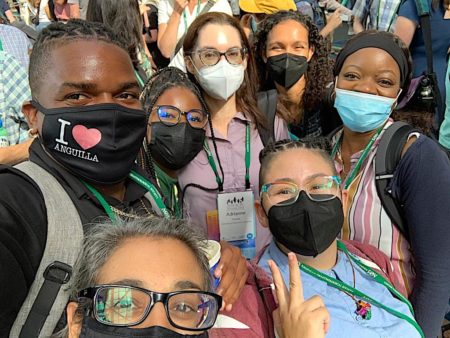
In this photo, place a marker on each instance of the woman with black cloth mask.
(293, 58)
(372, 70)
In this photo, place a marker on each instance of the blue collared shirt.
(341, 307)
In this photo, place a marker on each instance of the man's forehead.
(90, 63)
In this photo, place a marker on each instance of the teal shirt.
(444, 133)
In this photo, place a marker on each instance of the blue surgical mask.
(362, 112)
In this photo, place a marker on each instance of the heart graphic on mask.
(86, 138)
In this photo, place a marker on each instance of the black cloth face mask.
(175, 146)
(286, 69)
(93, 329)
(306, 227)
(98, 143)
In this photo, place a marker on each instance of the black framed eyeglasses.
(119, 305)
(211, 56)
(171, 115)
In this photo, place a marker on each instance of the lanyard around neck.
(199, 3)
(392, 19)
(337, 284)
(213, 165)
(143, 183)
(363, 156)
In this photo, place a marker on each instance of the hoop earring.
(33, 133)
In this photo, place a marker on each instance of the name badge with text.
(237, 220)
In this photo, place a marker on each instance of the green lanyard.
(139, 78)
(333, 282)
(199, 2)
(379, 15)
(212, 163)
(1, 46)
(355, 170)
(143, 183)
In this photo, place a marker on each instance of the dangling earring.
(33, 133)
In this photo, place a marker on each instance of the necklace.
(130, 215)
(363, 309)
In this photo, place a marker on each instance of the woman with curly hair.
(293, 57)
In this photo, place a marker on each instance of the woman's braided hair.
(59, 34)
(320, 145)
(319, 71)
(162, 80)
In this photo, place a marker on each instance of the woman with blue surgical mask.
(371, 72)
(221, 182)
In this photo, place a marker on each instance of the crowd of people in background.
(260, 168)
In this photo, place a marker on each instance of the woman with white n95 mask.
(222, 180)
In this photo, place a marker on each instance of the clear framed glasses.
(211, 56)
(171, 115)
(119, 305)
(318, 188)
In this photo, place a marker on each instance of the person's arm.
(167, 32)
(405, 29)
(74, 11)
(421, 184)
(359, 11)
(233, 273)
(333, 22)
(23, 233)
(10, 16)
(15, 154)
(295, 317)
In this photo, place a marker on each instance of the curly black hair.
(320, 66)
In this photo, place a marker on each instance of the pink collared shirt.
(197, 202)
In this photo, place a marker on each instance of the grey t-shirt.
(83, 7)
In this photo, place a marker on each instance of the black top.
(23, 225)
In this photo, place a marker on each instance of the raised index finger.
(295, 281)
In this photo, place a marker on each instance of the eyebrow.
(86, 86)
(379, 71)
(128, 282)
(186, 284)
(287, 179)
(211, 47)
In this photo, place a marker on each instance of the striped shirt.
(365, 219)
(381, 14)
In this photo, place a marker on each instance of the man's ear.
(73, 320)
(31, 114)
(261, 214)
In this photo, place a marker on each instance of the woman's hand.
(180, 5)
(232, 271)
(295, 317)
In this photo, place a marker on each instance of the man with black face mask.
(301, 205)
(89, 126)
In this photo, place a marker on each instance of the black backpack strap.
(267, 104)
(388, 156)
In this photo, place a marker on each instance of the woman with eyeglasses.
(219, 185)
(163, 291)
(293, 58)
(301, 205)
(175, 135)
(372, 71)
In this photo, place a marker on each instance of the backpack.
(388, 156)
(267, 104)
(48, 295)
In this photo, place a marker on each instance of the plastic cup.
(212, 251)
